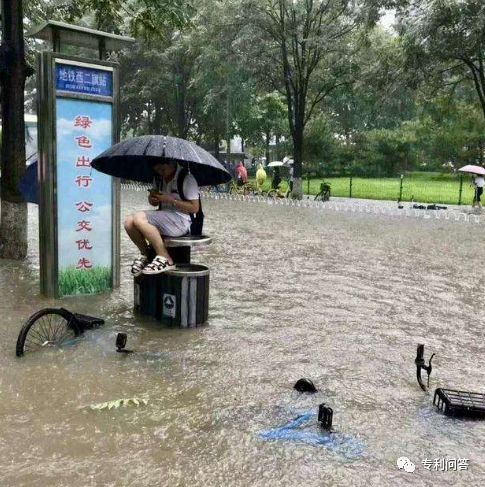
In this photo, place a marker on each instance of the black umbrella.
(134, 159)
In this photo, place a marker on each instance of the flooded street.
(341, 298)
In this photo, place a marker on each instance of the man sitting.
(172, 219)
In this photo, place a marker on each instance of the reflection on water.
(342, 298)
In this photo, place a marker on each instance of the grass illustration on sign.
(87, 281)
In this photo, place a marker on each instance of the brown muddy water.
(342, 298)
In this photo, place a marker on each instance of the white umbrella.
(276, 164)
(288, 161)
(473, 169)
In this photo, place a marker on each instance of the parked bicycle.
(243, 189)
(278, 192)
(324, 194)
(52, 327)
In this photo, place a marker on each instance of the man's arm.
(191, 206)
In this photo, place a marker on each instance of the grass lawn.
(422, 187)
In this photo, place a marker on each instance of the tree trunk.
(216, 147)
(180, 99)
(13, 71)
(228, 149)
(297, 158)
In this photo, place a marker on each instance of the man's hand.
(155, 198)
(152, 200)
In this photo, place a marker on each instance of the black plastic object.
(460, 403)
(325, 416)
(305, 385)
(121, 343)
(420, 365)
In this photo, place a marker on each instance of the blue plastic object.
(29, 185)
(341, 444)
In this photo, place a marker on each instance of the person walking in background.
(275, 183)
(478, 182)
(260, 177)
(241, 174)
(291, 178)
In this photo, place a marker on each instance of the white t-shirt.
(190, 188)
(479, 181)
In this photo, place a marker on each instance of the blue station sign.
(84, 80)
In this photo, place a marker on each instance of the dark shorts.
(478, 193)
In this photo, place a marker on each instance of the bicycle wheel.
(48, 327)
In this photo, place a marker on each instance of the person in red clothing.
(241, 174)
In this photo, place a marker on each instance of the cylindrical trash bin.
(178, 297)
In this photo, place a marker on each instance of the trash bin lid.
(189, 270)
(187, 241)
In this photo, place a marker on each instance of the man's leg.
(152, 234)
(135, 235)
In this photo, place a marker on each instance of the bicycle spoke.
(68, 333)
(42, 327)
(37, 334)
(60, 325)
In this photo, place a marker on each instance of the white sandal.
(138, 265)
(158, 265)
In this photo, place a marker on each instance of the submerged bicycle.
(51, 327)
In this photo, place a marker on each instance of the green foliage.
(444, 41)
(371, 102)
(87, 281)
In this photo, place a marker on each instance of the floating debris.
(460, 403)
(305, 385)
(136, 401)
(297, 431)
(325, 416)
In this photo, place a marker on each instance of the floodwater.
(341, 298)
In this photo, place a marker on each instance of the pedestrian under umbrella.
(478, 182)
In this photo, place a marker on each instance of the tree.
(222, 82)
(13, 73)
(307, 41)
(445, 42)
(262, 119)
